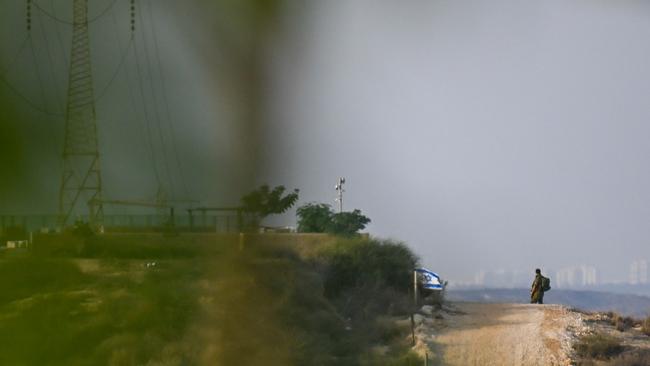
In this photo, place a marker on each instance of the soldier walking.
(537, 290)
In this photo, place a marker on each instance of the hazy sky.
(485, 134)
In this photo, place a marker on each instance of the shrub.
(319, 218)
(368, 264)
(638, 358)
(622, 323)
(599, 346)
(265, 201)
(314, 217)
(645, 327)
(348, 223)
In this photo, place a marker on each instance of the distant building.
(502, 278)
(576, 276)
(639, 272)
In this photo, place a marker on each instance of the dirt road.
(503, 334)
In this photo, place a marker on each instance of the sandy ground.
(501, 334)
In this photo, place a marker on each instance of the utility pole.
(340, 190)
(81, 181)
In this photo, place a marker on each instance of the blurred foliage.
(372, 276)
(320, 218)
(14, 233)
(55, 314)
(348, 223)
(265, 201)
(314, 217)
(199, 300)
(131, 246)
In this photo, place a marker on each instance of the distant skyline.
(575, 276)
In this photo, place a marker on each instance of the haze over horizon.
(485, 134)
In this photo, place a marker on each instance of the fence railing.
(135, 222)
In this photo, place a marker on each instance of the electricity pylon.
(81, 182)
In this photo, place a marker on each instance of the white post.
(339, 188)
(415, 288)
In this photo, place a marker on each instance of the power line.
(144, 127)
(67, 22)
(155, 101)
(166, 102)
(38, 74)
(51, 63)
(27, 100)
(13, 89)
(15, 58)
(58, 35)
(146, 114)
(116, 72)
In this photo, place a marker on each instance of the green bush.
(359, 264)
(598, 346)
(645, 327)
(314, 217)
(319, 218)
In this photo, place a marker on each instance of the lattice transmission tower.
(81, 182)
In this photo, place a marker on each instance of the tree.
(319, 218)
(314, 217)
(348, 223)
(265, 201)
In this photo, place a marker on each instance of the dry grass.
(620, 322)
(598, 346)
(645, 326)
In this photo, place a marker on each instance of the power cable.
(115, 73)
(146, 114)
(133, 105)
(15, 58)
(166, 102)
(155, 101)
(67, 22)
(38, 74)
(58, 35)
(27, 101)
(51, 64)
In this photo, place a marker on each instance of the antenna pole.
(340, 190)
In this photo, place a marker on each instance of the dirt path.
(503, 334)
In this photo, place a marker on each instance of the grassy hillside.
(202, 300)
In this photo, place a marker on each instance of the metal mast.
(339, 189)
(81, 181)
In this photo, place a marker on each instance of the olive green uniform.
(536, 292)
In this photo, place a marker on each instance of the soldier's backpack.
(546, 284)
